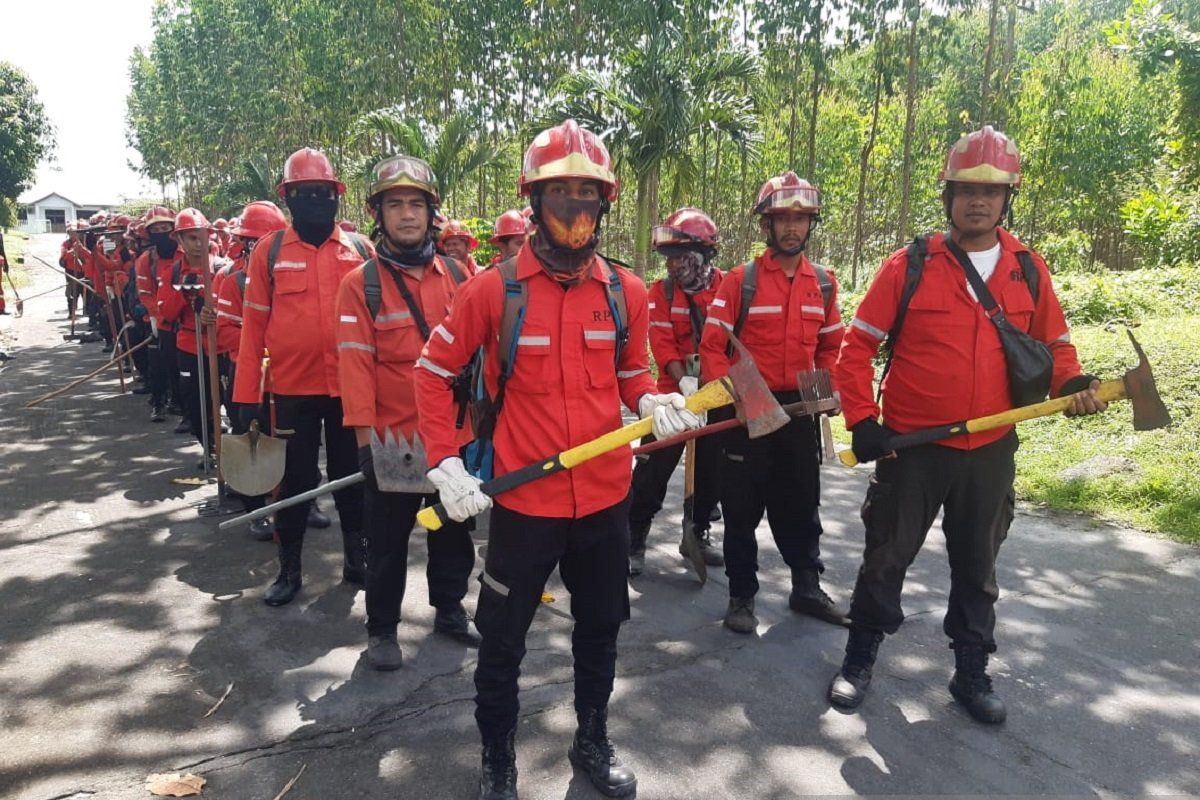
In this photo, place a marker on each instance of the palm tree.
(660, 96)
(454, 150)
(257, 182)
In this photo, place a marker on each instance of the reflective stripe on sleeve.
(356, 346)
(630, 373)
(868, 329)
(765, 310)
(257, 307)
(837, 326)
(441, 372)
(348, 318)
(441, 331)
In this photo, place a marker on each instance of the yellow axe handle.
(1108, 392)
(711, 395)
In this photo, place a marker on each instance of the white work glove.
(458, 490)
(669, 413)
(688, 385)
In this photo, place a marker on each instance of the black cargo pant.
(141, 359)
(164, 369)
(651, 475)
(196, 408)
(390, 517)
(592, 555)
(300, 419)
(975, 488)
(779, 475)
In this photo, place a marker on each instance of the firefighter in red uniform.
(387, 308)
(136, 243)
(580, 351)
(290, 311)
(947, 365)
(70, 260)
(152, 270)
(258, 219)
(784, 309)
(458, 242)
(688, 240)
(221, 235)
(508, 236)
(107, 262)
(181, 302)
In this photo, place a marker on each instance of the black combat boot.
(637, 549)
(354, 569)
(453, 621)
(850, 685)
(593, 753)
(809, 598)
(281, 592)
(971, 685)
(318, 518)
(498, 778)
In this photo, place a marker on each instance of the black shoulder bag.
(1030, 365)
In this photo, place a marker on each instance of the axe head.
(400, 466)
(755, 403)
(1149, 411)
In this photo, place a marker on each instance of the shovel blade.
(399, 465)
(252, 463)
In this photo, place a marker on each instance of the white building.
(50, 214)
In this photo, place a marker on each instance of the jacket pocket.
(599, 357)
(397, 338)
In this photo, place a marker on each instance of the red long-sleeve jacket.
(789, 326)
(566, 388)
(671, 326)
(948, 364)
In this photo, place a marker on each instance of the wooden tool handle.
(710, 396)
(1108, 392)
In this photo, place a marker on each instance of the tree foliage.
(26, 135)
(700, 101)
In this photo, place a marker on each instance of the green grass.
(14, 246)
(1166, 496)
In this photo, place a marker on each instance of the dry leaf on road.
(174, 785)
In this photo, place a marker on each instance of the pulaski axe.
(742, 385)
(1137, 386)
(399, 466)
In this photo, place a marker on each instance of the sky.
(92, 51)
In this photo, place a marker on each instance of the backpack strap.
(614, 291)
(1029, 270)
(749, 286)
(372, 291)
(915, 256)
(826, 284)
(241, 277)
(272, 257)
(456, 274)
(176, 273)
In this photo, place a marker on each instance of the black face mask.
(164, 244)
(89, 240)
(313, 217)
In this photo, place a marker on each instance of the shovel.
(1136, 386)
(20, 302)
(252, 463)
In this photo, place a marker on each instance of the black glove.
(366, 461)
(870, 440)
(1076, 384)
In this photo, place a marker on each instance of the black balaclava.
(403, 257)
(1006, 213)
(696, 272)
(164, 244)
(313, 217)
(569, 230)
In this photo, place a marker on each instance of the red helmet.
(158, 214)
(221, 225)
(258, 219)
(456, 230)
(191, 219)
(118, 223)
(400, 170)
(510, 223)
(98, 220)
(985, 156)
(440, 222)
(138, 230)
(308, 166)
(687, 226)
(788, 192)
(348, 226)
(568, 151)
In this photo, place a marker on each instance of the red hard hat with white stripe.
(788, 192)
(983, 156)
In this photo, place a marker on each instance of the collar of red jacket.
(1008, 243)
(528, 265)
(341, 236)
(768, 261)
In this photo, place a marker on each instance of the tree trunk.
(1010, 57)
(792, 129)
(985, 96)
(814, 91)
(863, 162)
(641, 231)
(910, 123)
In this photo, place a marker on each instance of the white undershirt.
(985, 262)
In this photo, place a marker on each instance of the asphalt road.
(124, 616)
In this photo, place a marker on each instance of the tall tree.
(26, 135)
